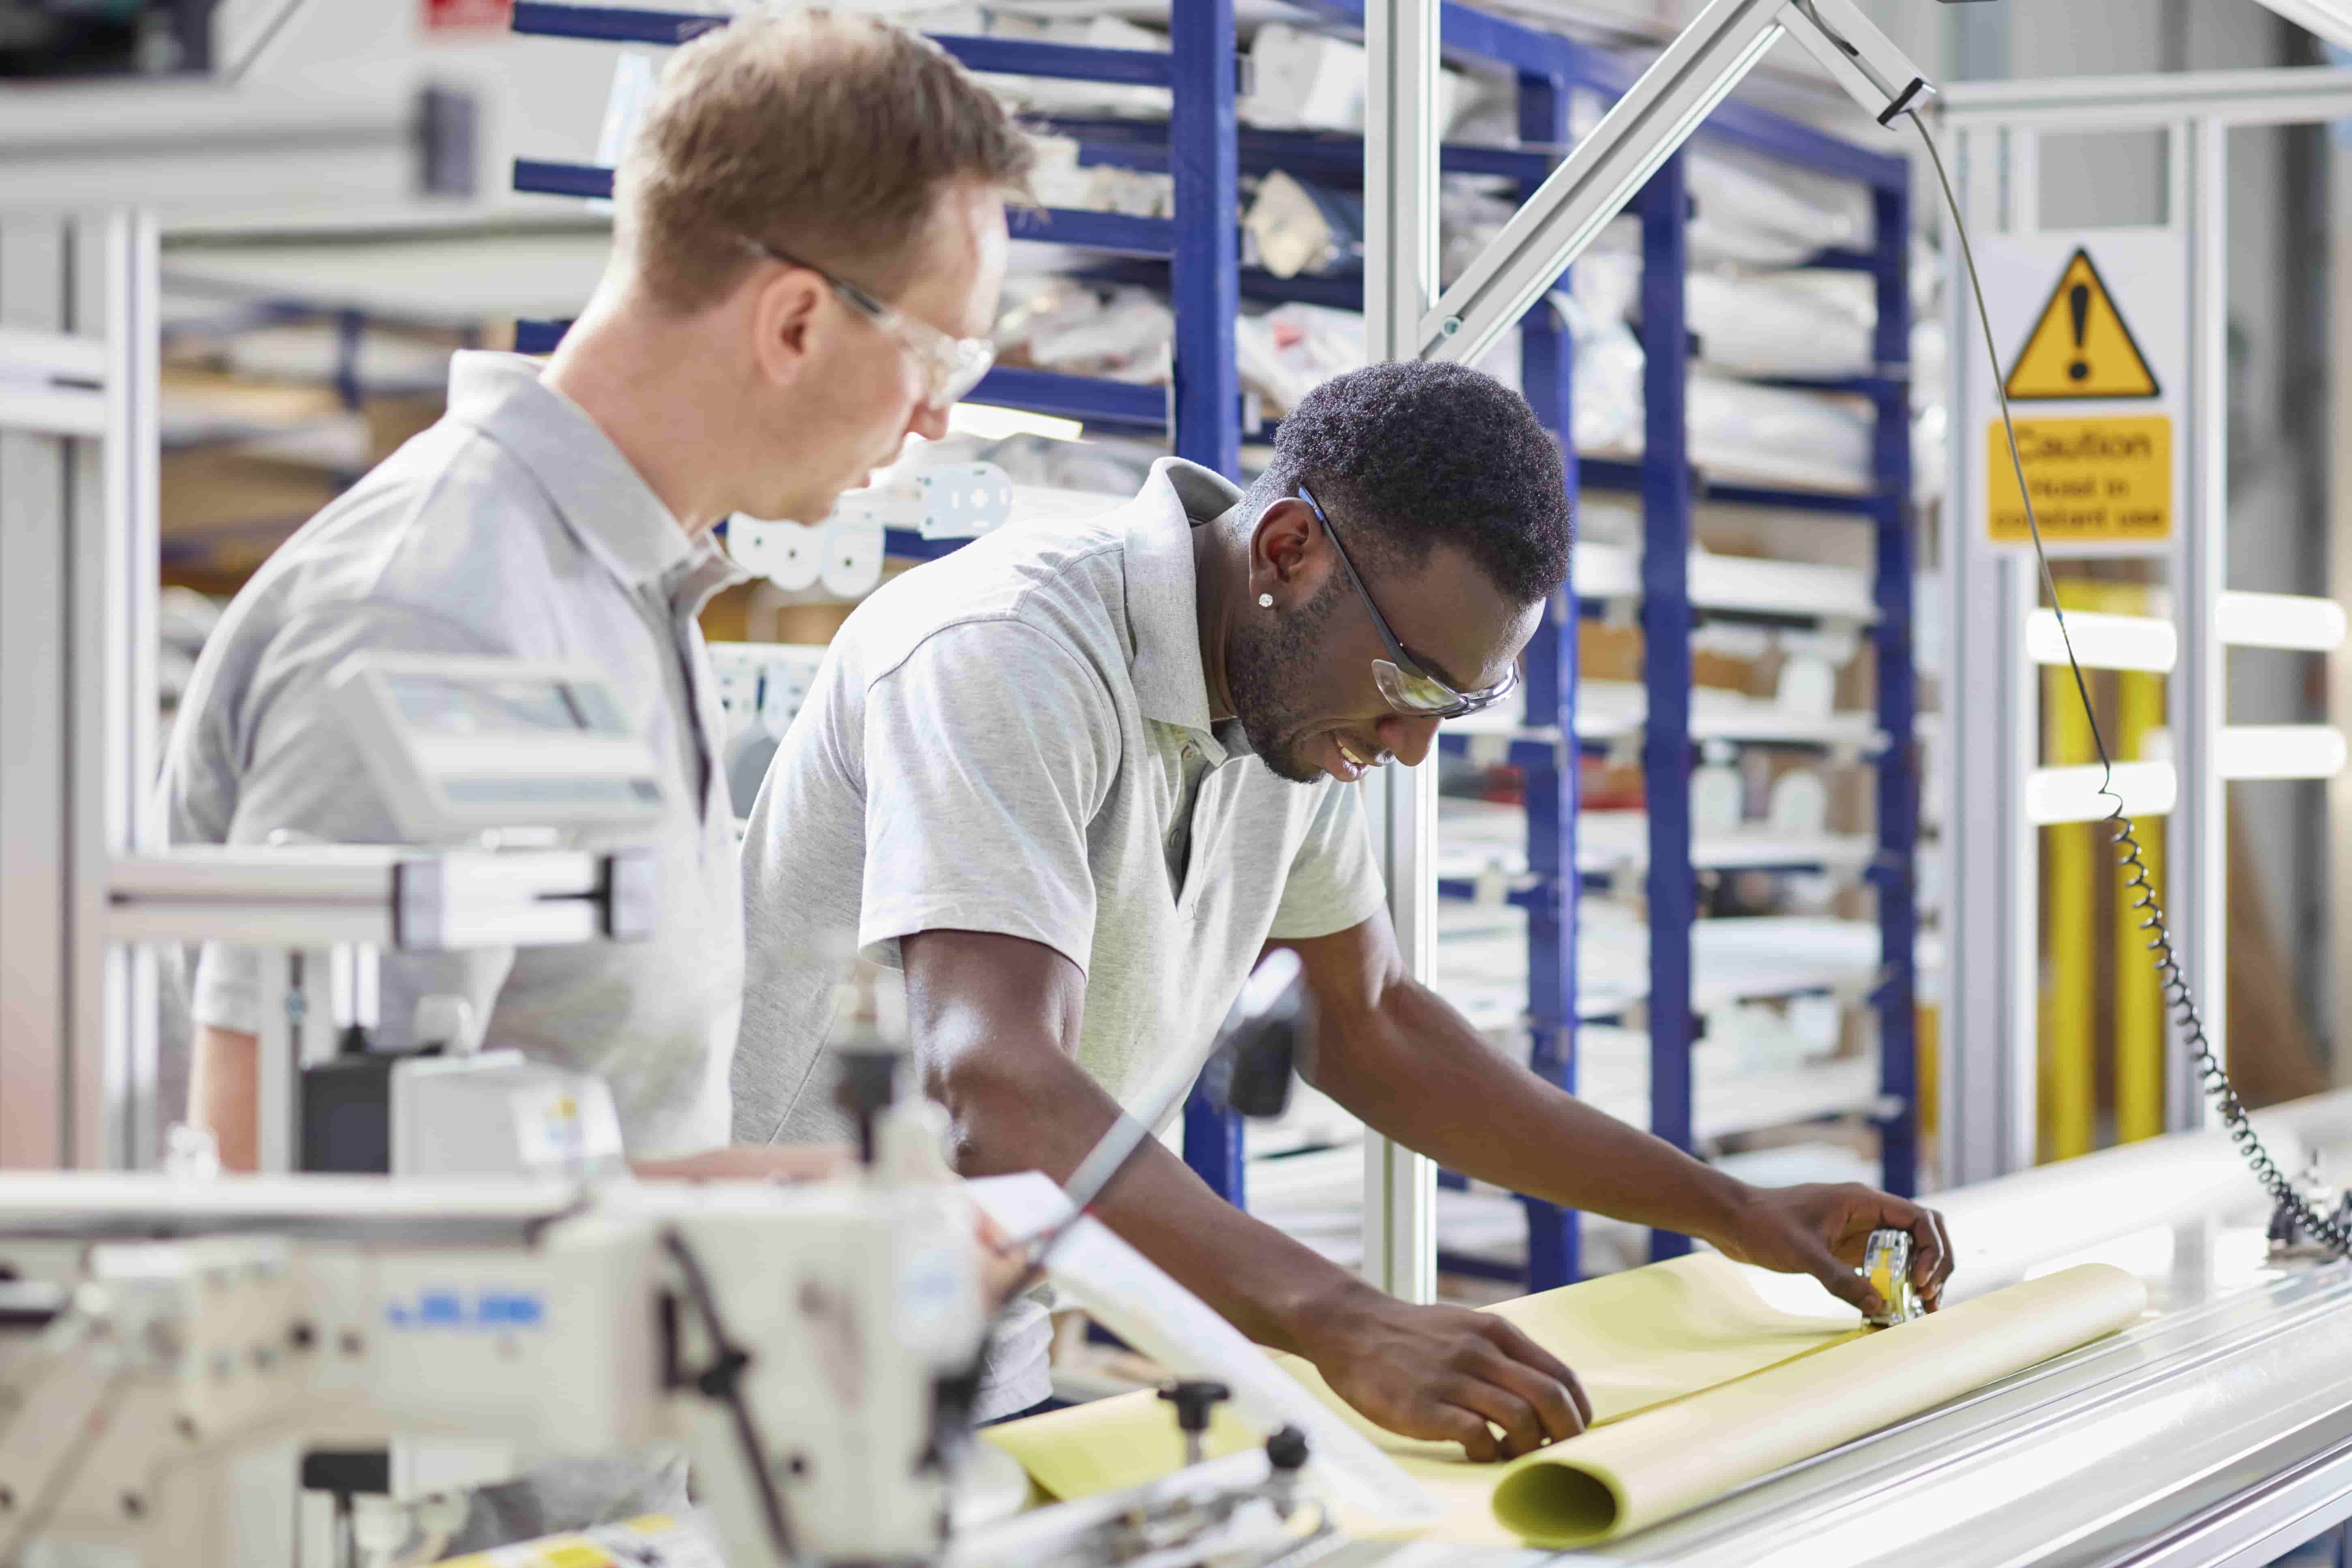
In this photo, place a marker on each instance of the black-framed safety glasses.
(1410, 689)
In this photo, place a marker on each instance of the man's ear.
(785, 321)
(1283, 547)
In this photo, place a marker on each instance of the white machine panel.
(465, 746)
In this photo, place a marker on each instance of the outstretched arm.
(995, 1019)
(1401, 1058)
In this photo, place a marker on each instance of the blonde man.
(808, 247)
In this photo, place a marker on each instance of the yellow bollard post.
(2140, 1024)
(2069, 866)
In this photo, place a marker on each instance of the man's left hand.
(1821, 1230)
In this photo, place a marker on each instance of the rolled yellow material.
(1635, 1340)
(1699, 1386)
(1617, 1479)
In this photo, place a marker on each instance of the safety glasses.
(950, 367)
(1409, 689)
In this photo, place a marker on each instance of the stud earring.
(1266, 601)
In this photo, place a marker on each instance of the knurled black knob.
(867, 1081)
(1195, 1403)
(1286, 1450)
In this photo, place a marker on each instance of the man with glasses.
(793, 172)
(1075, 779)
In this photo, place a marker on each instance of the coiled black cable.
(2137, 884)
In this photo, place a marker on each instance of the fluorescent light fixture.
(2281, 751)
(2103, 642)
(2073, 794)
(991, 423)
(2280, 620)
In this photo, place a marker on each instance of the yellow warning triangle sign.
(2081, 347)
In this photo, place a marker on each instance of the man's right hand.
(1445, 1372)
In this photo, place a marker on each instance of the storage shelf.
(1031, 503)
(1119, 233)
(1740, 584)
(1020, 57)
(1612, 711)
(1327, 157)
(1481, 840)
(1092, 399)
(1744, 959)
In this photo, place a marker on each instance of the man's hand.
(749, 1162)
(1821, 1230)
(1005, 1269)
(1446, 1372)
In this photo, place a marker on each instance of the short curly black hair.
(1418, 451)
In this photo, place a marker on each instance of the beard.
(1264, 661)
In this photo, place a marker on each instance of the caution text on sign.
(2093, 479)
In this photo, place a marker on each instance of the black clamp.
(1196, 1403)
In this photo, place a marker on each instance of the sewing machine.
(808, 1348)
(812, 1350)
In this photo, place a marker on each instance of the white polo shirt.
(1017, 739)
(513, 526)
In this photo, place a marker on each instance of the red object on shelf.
(467, 16)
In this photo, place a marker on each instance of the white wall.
(535, 98)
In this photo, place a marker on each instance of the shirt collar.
(599, 495)
(1162, 593)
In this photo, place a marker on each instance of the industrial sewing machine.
(805, 1348)
(812, 1350)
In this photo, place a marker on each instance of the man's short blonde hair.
(826, 136)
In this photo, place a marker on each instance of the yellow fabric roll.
(1699, 1384)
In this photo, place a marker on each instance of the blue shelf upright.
(1547, 378)
(1896, 872)
(1666, 485)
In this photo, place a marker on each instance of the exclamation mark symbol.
(2078, 305)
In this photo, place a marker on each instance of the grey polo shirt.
(513, 526)
(1017, 739)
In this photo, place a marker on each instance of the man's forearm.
(1260, 1279)
(1413, 1069)
(748, 1163)
(225, 1094)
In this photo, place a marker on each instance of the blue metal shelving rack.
(1548, 67)
(1204, 151)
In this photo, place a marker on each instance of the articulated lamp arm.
(1653, 118)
